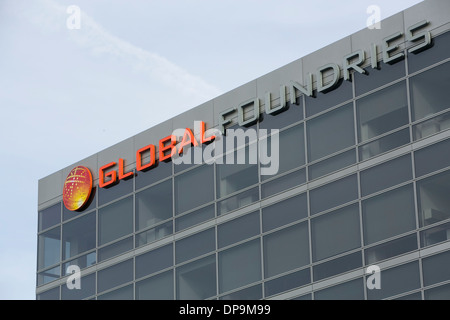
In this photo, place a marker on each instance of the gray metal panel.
(435, 11)
(203, 112)
(365, 37)
(152, 136)
(332, 53)
(282, 76)
(50, 187)
(232, 99)
(123, 149)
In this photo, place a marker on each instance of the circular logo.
(77, 188)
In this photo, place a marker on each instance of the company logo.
(77, 188)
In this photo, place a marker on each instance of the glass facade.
(365, 180)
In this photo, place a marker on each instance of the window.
(435, 235)
(440, 51)
(286, 249)
(124, 293)
(240, 265)
(234, 177)
(195, 218)
(115, 220)
(284, 212)
(49, 248)
(429, 93)
(330, 132)
(154, 205)
(115, 249)
(388, 214)
(50, 217)
(287, 282)
(291, 151)
(391, 249)
(197, 280)
(335, 232)
(438, 293)
(384, 144)
(332, 164)
(87, 289)
(432, 158)
(382, 111)
(333, 194)
(195, 245)
(251, 293)
(154, 261)
(386, 175)
(155, 233)
(122, 188)
(337, 266)
(193, 188)
(285, 182)
(435, 268)
(351, 290)
(114, 276)
(159, 287)
(238, 229)
(79, 235)
(237, 201)
(397, 280)
(433, 199)
(375, 78)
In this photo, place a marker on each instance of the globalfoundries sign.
(417, 39)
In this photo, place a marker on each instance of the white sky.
(67, 94)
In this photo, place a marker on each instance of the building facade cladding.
(363, 179)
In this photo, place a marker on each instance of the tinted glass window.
(79, 235)
(384, 144)
(397, 280)
(159, 287)
(50, 216)
(335, 232)
(163, 170)
(375, 78)
(197, 280)
(248, 257)
(116, 191)
(435, 268)
(432, 158)
(440, 51)
(382, 111)
(386, 175)
(286, 249)
(195, 218)
(87, 289)
(195, 245)
(115, 275)
(434, 203)
(154, 261)
(49, 247)
(429, 91)
(351, 290)
(388, 214)
(330, 132)
(115, 220)
(193, 188)
(291, 150)
(337, 266)
(287, 282)
(284, 212)
(115, 249)
(333, 194)
(391, 249)
(154, 205)
(285, 182)
(238, 229)
(332, 164)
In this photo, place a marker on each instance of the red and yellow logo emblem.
(77, 188)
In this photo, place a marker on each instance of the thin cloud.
(102, 43)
